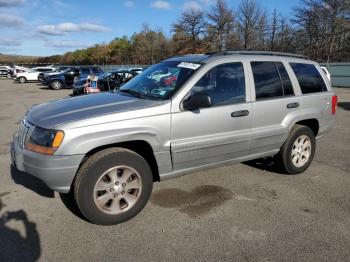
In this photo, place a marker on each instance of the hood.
(58, 112)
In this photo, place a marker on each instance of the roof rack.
(248, 52)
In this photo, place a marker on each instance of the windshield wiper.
(132, 92)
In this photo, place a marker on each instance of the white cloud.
(129, 4)
(11, 2)
(191, 5)
(67, 28)
(161, 5)
(64, 44)
(10, 42)
(7, 20)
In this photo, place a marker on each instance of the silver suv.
(182, 115)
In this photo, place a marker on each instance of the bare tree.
(192, 24)
(274, 28)
(220, 23)
(249, 14)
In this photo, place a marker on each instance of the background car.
(106, 82)
(42, 75)
(32, 74)
(5, 73)
(326, 72)
(67, 78)
(136, 70)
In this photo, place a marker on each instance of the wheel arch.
(141, 147)
(312, 123)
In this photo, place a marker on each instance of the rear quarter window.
(309, 78)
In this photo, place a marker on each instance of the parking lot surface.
(243, 212)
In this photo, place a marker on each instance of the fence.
(340, 74)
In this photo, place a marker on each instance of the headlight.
(44, 141)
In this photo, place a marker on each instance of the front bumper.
(57, 172)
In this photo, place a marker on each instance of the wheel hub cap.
(301, 151)
(117, 190)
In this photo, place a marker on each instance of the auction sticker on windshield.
(189, 65)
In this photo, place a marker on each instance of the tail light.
(334, 104)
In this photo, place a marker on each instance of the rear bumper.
(57, 172)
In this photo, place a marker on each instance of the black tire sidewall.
(84, 195)
(296, 133)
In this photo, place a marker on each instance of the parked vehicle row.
(76, 77)
(106, 82)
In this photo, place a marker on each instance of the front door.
(219, 133)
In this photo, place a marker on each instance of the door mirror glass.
(197, 101)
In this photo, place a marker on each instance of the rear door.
(218, 133)
(274, 106)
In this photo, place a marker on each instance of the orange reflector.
(58, 139)
(41, 149)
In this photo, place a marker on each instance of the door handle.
(240, 113)
(293, 105)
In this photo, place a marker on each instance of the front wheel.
(113, 186)
(56, 85)
(22, 80)
(298, 151)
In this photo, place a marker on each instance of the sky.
(48, 27)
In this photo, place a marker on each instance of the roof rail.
(248, 52)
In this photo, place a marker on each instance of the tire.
(56, 84)
(22, 80)
(113, 186)
(9, 76)
(298, 150)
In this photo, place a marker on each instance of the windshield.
(161, 80)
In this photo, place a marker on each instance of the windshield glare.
(161, 80)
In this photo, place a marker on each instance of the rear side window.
(309, 78)
(271, 80)
(85, 71)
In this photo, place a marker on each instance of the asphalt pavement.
(242, 212)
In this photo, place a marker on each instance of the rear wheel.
(298, 151)
(56, 85)
(9, 76)
(113, 186)
(22, 79)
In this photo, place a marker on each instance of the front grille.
(24, 132)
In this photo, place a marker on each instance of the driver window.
(225, 84)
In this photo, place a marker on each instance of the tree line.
(319, 29)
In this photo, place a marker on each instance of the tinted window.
(267, 81)
(85, 71)
(286, 83)
(271, 80)
(309, 78)
(225, 84)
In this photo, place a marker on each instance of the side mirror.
(197, 101)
